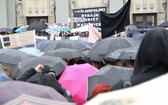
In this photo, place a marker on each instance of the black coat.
(46, 80)
(151, 60)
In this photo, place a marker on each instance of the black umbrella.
(123, 54)
(164, 24)
(129, 54)
(96, 58)
(65, 53)
(64, 43)
(38, 26)
(12, 56)
(111, 44)
(113, 55)
(12, 89)
(55, 62)
(109, 75)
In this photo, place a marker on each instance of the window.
(147, 18)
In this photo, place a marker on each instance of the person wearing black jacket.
(48, 78)
(151, 60)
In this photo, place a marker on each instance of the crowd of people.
(78, 33)
(151, 61)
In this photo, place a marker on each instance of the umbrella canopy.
(13, 56)
(64, 43)
(164, 24)
(129, 54)
(143, 25)
(109, 75)
(86, 43)
(12, 89)
(6, 30)
(111, 44)
(131, 27)
(65, 53)
(40, 45)
(38, 26)
(74, 79)
(85, 52)
(55, 62)
(138, 36)
(124, 54)
(153, 89)
(25, 99)
(96, 58)
(31, 50)
(3, 77)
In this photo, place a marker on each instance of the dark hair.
(71, 62)
(80, 61)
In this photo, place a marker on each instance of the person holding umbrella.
(48, 78)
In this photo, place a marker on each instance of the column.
(3, 12)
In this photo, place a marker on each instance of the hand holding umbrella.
(39, 68)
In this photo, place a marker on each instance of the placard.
(18, 39)
(91, 15)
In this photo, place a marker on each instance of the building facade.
(153, 12)
(22, 12)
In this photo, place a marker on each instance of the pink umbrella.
(74, 79)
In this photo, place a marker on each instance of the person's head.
(7, 72)
(80, 61)
(100, 88)
(48, 69)
(96, 64)
(118, 62)
(153, 53)
(71, 62)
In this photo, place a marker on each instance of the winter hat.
(48, 69)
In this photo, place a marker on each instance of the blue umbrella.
(3, 77)
(138, 36)
(40, 45)
(31, 51)
(18, 30)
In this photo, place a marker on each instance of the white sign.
(53, 30)
(76, 19)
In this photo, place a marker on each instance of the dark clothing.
(50, 80)
(26, 75)
(152, 58)
(46, 80)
